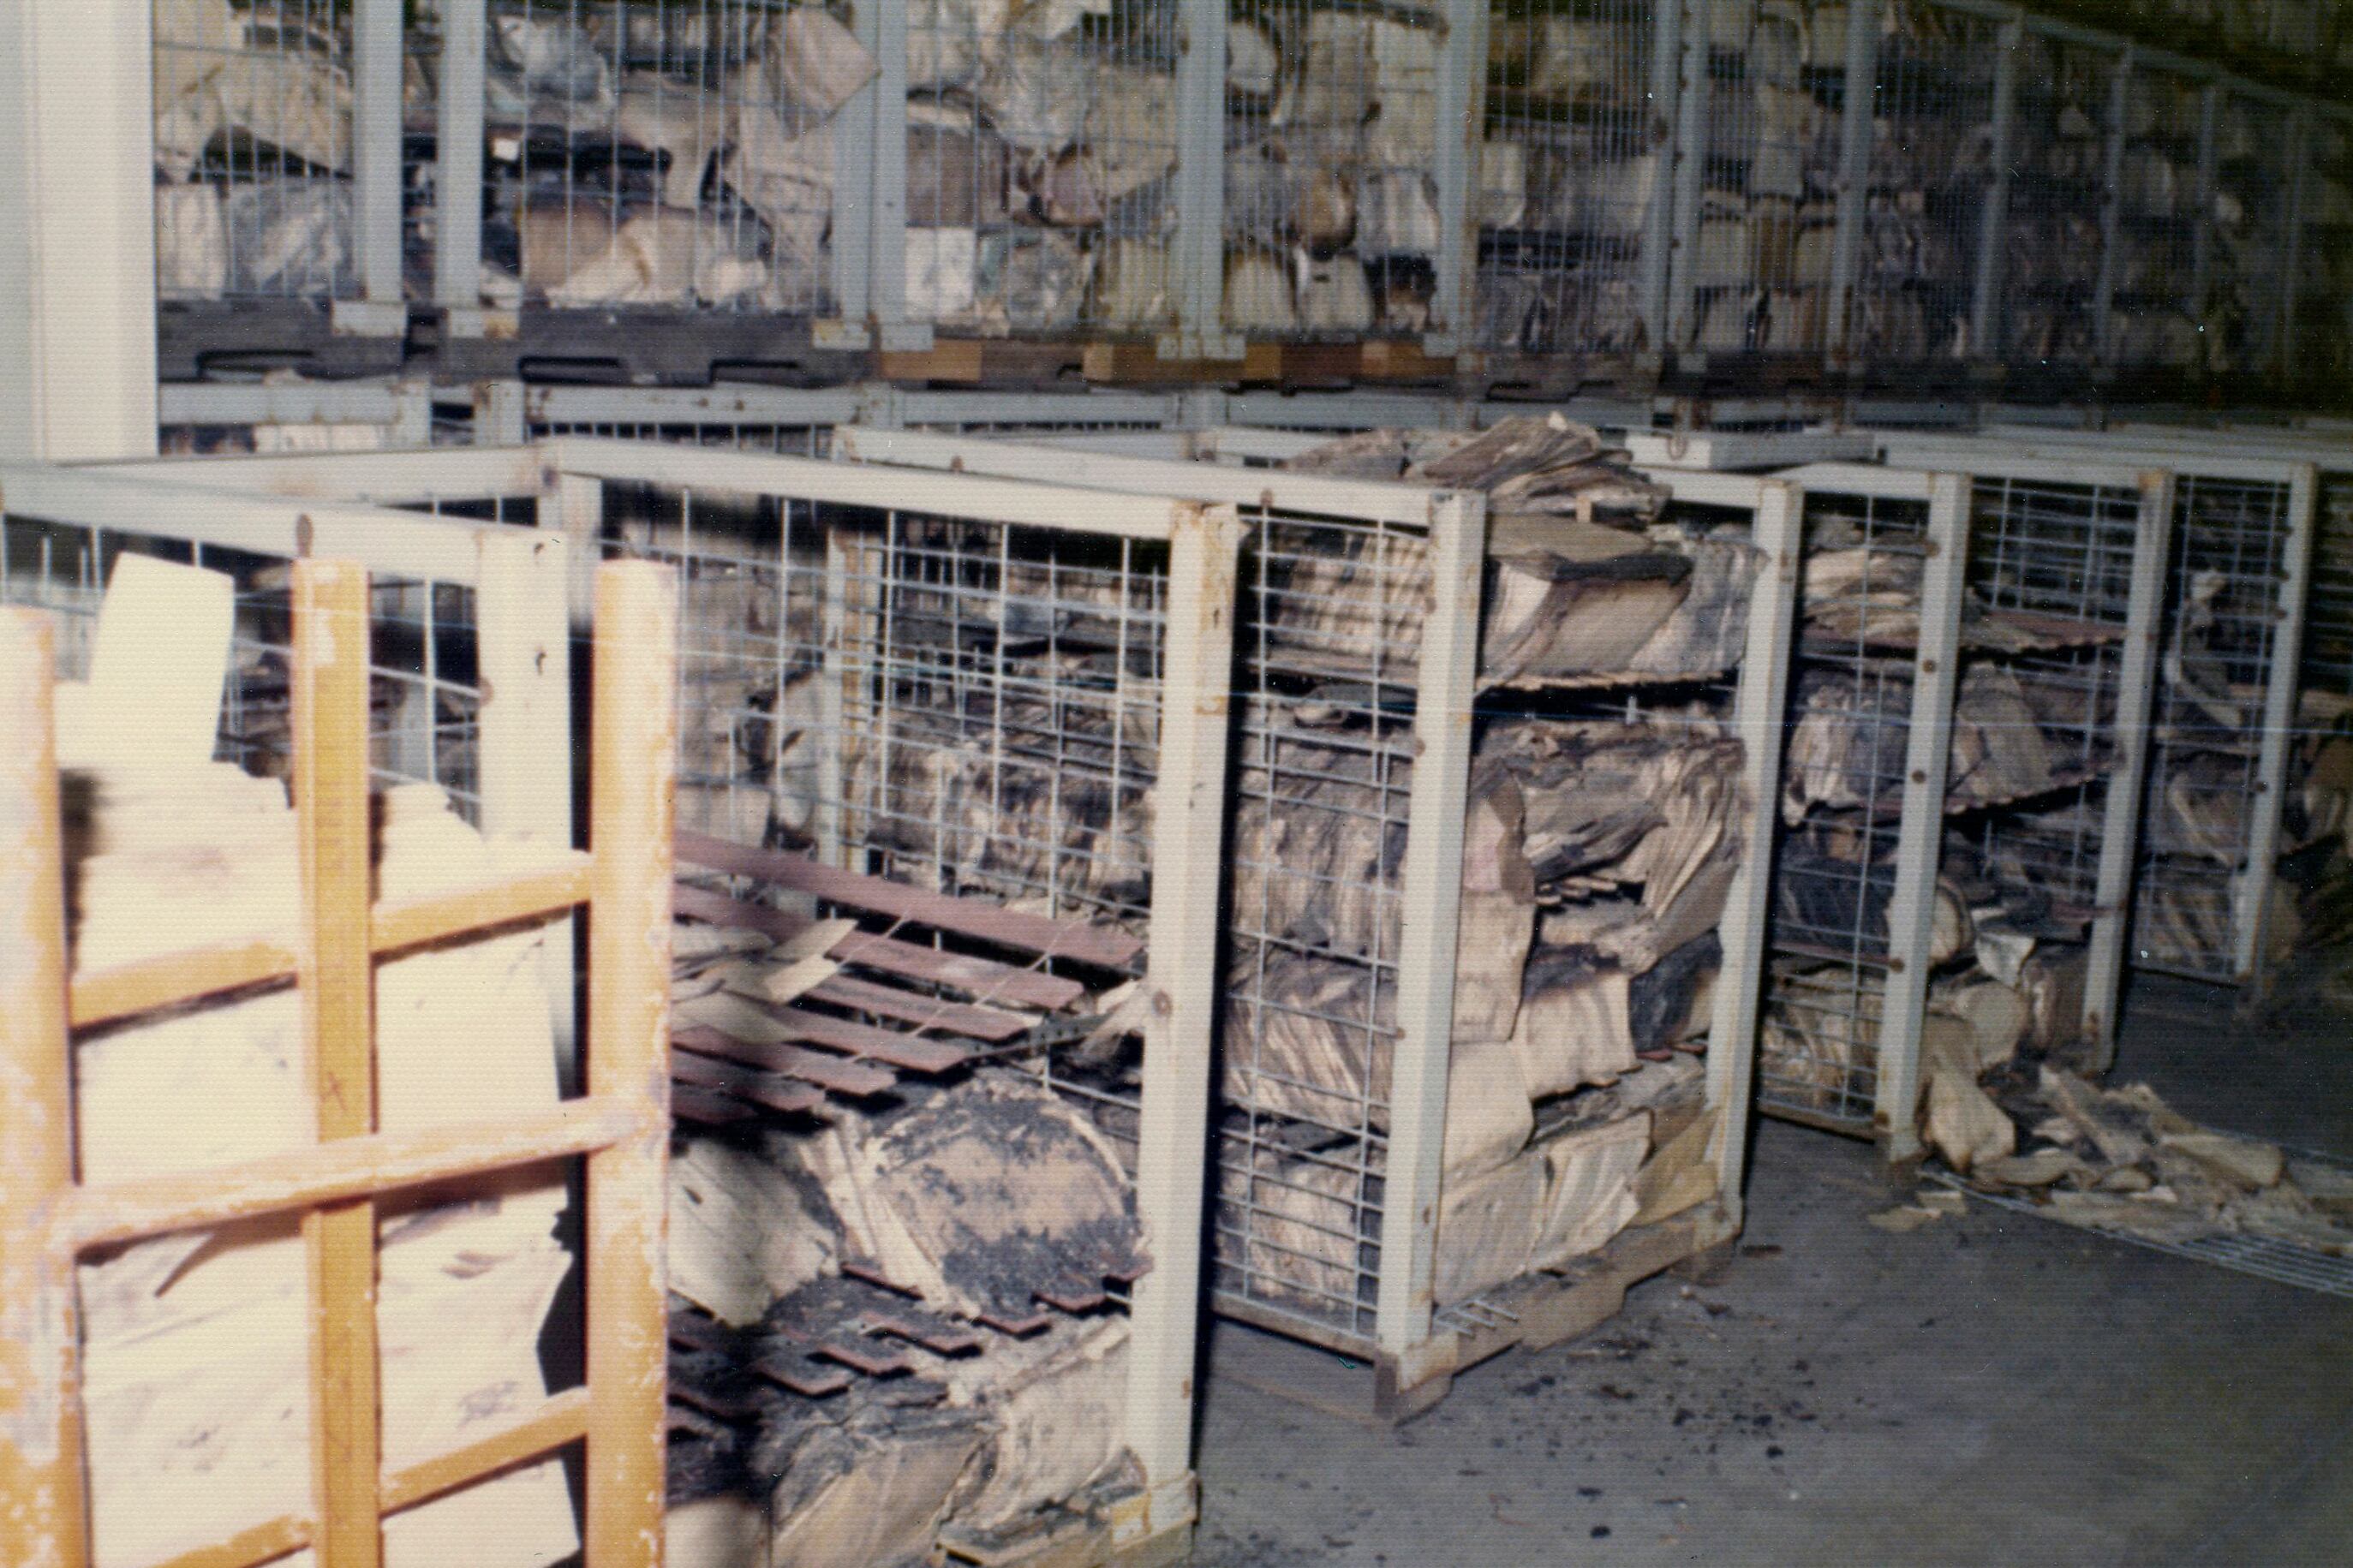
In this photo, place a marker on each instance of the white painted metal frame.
(1447, 675)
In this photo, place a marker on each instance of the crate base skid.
(644, 347)
(1341, 1378)
(194, 337)
(1111, 1528)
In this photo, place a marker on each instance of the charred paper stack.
(1331, 202)
(897, 1221)
(1598, 854)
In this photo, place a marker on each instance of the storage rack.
(1380, 1310)
(2225, 702)
(620, 1126)
(1630, 178)
(876, 589)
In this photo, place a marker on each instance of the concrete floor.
(1986, 1389)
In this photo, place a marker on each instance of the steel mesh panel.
(671, 152)
(2154, 309)
(2329, 613)
(253, 151)
(1930, 172)
(1331, 207)
(2058, 188)
(1571, 164)
(424, 701)
(1760, 269)
(1042, 156)
(2252, 175)
(2062, 553)
(2221, 623)
(1842, 824)
(726, 435)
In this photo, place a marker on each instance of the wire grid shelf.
(2223, 621)
(1331, 202)
(1322, 812)
(2329, 615)
(2058, 191)
(423, 703)
(1040, 162)
(2155, 313)
(1841, 812)
(1571, 164)
(1930, 172)
(253, 151)
(2062, 552)
(967, 707)
(668, 152)
(2263, 1257)
(1776, 92)
(2252, 175)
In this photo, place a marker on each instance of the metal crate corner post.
(377, 64)
(1432, 899)
(2120, 820)
(1858, 107)
(2112, 204)
(1758, 712)
(44, 1523)
(1663, 135)
(2252, 896)
(870, 175)
(525, 635)
(1987, 317)
(1197, 257)
(1912, 907)
(1189, 857)
(1692, 110)
(1461, 106)
(458, 171)
(632, 786)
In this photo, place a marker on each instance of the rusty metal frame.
(48, 1219)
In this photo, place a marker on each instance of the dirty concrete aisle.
(1988, 1388)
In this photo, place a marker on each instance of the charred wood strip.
(1072, 1298)
(794, 1371)
(926, 1011)
(810, 1067)
(1019, 1328)
(966, 917)
(872, 1273)
(864, 1040)
(687, 1103)
(770, 1090)
(982, 977)
(696, 1332)
(934, 1334)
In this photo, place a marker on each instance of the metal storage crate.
(1312, 1169)
(2225, 700)
(857, 647)
(272, 418)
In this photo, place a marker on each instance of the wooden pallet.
(1111, 1528)
(1534, 1311)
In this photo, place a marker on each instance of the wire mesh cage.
(1332, 221)
(662, 153)
(2321, 345)
(2061, 197)
(1930, 172)
(2155, 311)
(1570, 181)
(254, 195)
(2209, 800)
(1040, 166)
(1852, 712)
(2250, 217)
(1772, 82)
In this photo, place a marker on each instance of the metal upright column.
(1689, 179)
(1853, 176)
(458, 171)
(377, 130)
(2299, 158)
(1431, 904)
(2202, 237)
(1759, 712)
(2251, 898)
(1461, 116)
(869, 206)
(2120, 814)
(2112, 174)
(1986, 315)
(1662, 137)
(1197, 260)
(1912, 909)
